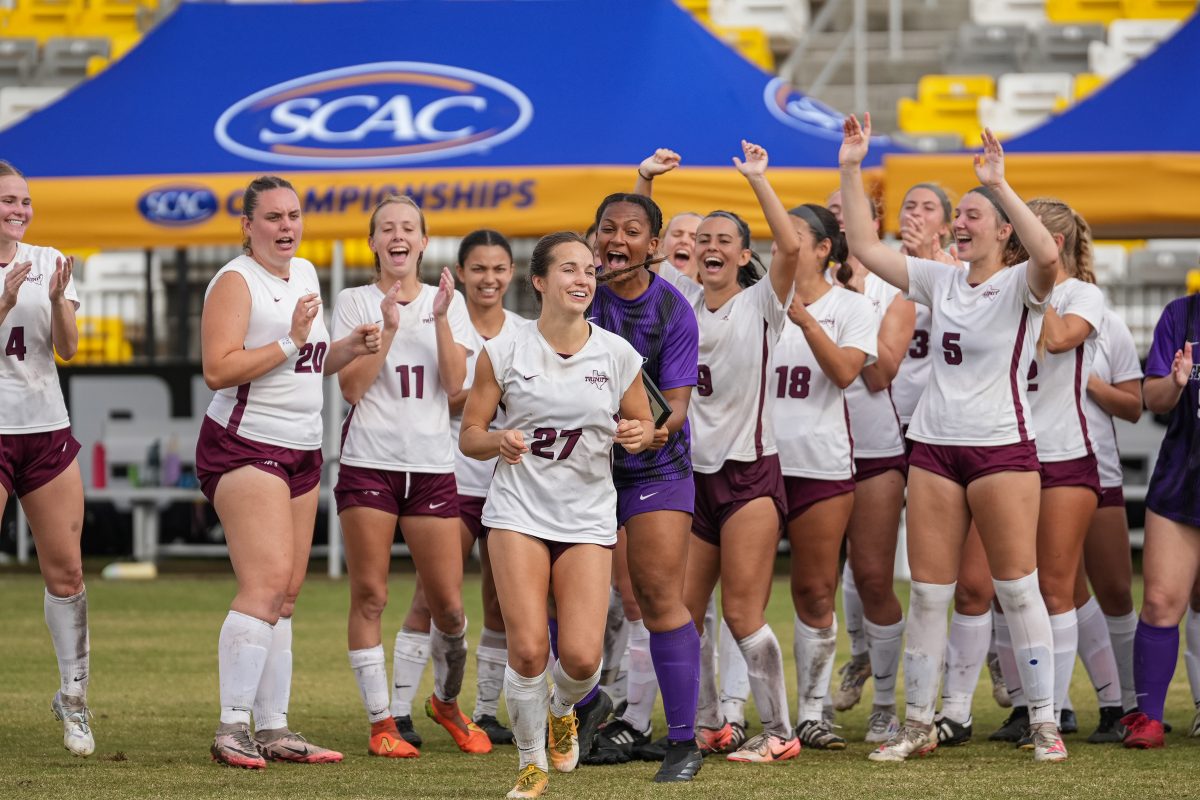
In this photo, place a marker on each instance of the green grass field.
(154, 696)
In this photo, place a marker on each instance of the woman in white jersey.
(831, 336)
(1114, 389)
(973, 456)
(37, 451)
(264, 348)
(404, 473)
(740, 497)
(570, 390)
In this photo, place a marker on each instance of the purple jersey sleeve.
(680, 355)
(1168, 337)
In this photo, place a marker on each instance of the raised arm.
(357, 375)
(787, 241)
(1042, 249)
(451, 356)
(660, 162)
(895, 332)
(856, 209)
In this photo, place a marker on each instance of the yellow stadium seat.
(1086, 83)
(101, 341)
(43, 19)
(108, 19)
(1193, 281)
(1066, 11)
(1158, 9)
(697, 8)
(96, 65)
(752, 43)
(946, 104)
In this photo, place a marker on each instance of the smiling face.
(398, 240)
(486, 274)
(570, 279)
(623, 236)
(924, 204)
(719, 252)
(979, 232)
(275, 230)
(679, 242)
(16, 208)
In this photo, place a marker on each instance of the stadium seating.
(1110, 262)
(1128, 40)
(697, 8)
(1158, 9)
(1023, 100)
(1008, 12)
(752, 43)
(1102, 11)
(1060, 48)
(65, 60)
(18, 60)
(1162, 266)
(102, 341)
(786, 20)
(985, 49)
(41, 19)
(946, 104)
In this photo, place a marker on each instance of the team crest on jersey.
(31, 278)
(991, 293)
(828, 322)
(597, 378)
(427, 320)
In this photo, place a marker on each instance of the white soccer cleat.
(908, 741)
(1047, 743)
(882, 725)
(77, 733)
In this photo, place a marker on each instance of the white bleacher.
(1128, 41)
(1110, 262)
(18, 102)
(779, 19)
(1023, 100)
(1009, 12)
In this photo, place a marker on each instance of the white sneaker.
(882, 725)
(77, 733)
(1047, 743)
(1195, 731)
(908, 741)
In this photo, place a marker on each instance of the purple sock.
(1155, 651)
(589, 697)
(554, 637)
(676, 657)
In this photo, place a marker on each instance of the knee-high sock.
(852, 609)
(409, 657)
(67, 619)
(884, 644)
(642, 680)
(616, 639)
(966, 652)
(708, 703)
(1008, 660)
(735, 683)
(1033, 643)
(275, 686)
(1095, 650)
(676, 658)
(552, 626)
(1155, 651)
(814, 650)
(490, 659)
(370, 673)
(1064, 628)
(241, 656)
(528, 701)
(764, 667)
(449, 654)
(925, 648)
(1120, 632)
(568, 690)
(1191, 656)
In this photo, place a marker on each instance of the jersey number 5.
(951, 350)
(546, 437)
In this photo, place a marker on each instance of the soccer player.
(973, 456)
(1171, 555)
(678, 241)
(404, 473)
(264, 348)
(655, 490)
(570, 390)
(832, 335)
(37, 451)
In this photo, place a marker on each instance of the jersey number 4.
(16, 343)
(545, 438)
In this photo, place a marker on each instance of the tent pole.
(333, 414)
(149, 335)
(182, 293)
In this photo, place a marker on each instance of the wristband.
(288, 347)
(645, 177)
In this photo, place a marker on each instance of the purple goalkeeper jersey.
(661, 326)
(1174, 490)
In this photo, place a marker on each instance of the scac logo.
(177, 205)
(390, 113)
(792, 107)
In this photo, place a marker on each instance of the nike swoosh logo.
(646, 496)
(1039, 708)
(882, 677)
(1102, 688)
(436, 506)
(303, 751)
(529, 377)
(277, 299)
(82, 678)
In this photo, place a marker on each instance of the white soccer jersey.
(30, 394)
(810, 418)
(982, 342)
(688, 287)
(566, 409)
(402, 421)
(283, 407)
(913, 375)
(1116, 361)
(874, 422)
(474, 476)
(731, 409)
(1058, 381)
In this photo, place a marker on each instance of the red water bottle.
(99, 465)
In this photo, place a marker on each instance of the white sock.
(275, 686)
(567, 690)
(409, 657)
(708, 704)
(1008, 660)
(966, 652)
(852, 609)
(448, 651)
(616, 640)
(241, 656)
(1032, 641)
(370, 673)
(1120, 633)
(67, 619)
(490, 657)
(528, 702)
(643, 683)
(884, 644)
(1191, 653)
(1095, 650)
(735, 683)
(925, 648)
(764, 668)
(814, 650)
(1064, 628)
